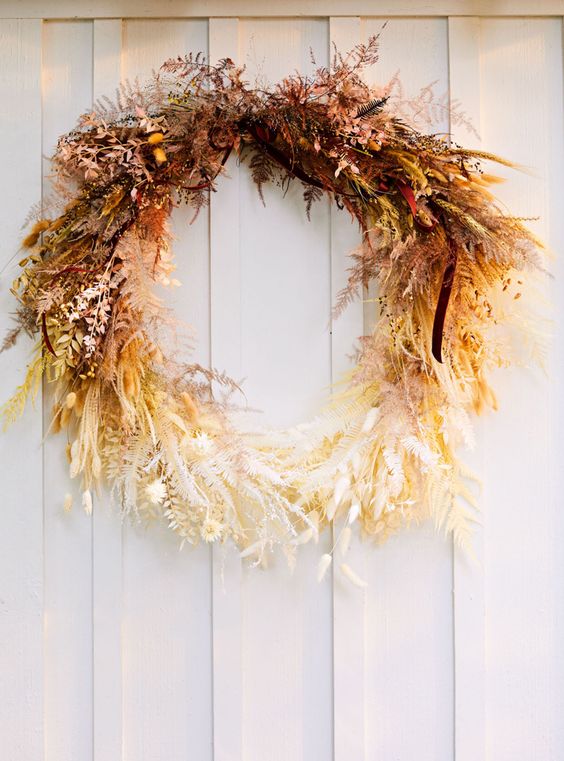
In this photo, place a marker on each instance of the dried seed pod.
(30, 240)
(189, 406)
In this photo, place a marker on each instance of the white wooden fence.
(115, 645)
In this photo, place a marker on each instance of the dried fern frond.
(372, 107)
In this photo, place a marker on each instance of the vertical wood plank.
(409, 626)
(106, 522)
(21, 518)
(521, 104)
(349, 603)
(225, 258)
(225, 295)
(67, 92)
(285, 354)
(167, 684)
(469, 589)
(285, 260)
(345, 236)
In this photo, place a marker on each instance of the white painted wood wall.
(113, 645)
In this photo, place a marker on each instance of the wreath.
(168, 435)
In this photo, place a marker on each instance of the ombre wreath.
(447, 262)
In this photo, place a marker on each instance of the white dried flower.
(87, 502)
(354, 512)
(211, 530)
(313, 518)
(352, 576)
(330, 509)
(201, 442)
(344, 541)
(67, 504)
(156, 492)
(341, 488)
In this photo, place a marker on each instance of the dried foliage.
(446, 260)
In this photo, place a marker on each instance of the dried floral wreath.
(445, 257)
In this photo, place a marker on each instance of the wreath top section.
(167, 142)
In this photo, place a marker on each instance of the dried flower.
(345, 541)
(323, 565)
(30, 240)
(352, 576)
(354, 512)
(211, 530)
(202, 442)
(156, 492)
(87, 502)
(341, 489)
(189, 406)
(160, 155)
